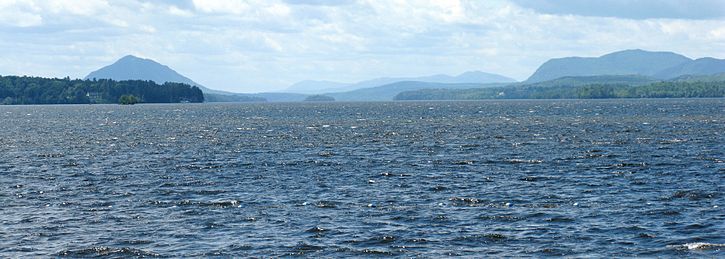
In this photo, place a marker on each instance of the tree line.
(666, 89)
(38, 90)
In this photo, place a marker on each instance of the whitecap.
(697, 246)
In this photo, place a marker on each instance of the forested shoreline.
(667, 89)
(38, 90)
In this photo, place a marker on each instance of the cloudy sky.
(266, 45)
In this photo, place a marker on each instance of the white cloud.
(222, 6)
(76, 7)
(174, 10)
(21, 19)
(717, 34)
(631, 9)
(278, 10)
(19, 14)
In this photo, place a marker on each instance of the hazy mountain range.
(389, 91)
(631, 67)
(470, 77)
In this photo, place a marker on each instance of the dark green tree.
(37, 90)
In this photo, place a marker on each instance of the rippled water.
(510, 178)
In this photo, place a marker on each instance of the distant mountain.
(464, 92)
(134, 68)
(315, 86)
(663, 89)
(470, 77)
(571, 81)
(701, 66)
(585, 87)
(700, 78)
(319, 98)
(480, 78)
(281, 97)
(232, 98)
(387, 92)
(627, 62)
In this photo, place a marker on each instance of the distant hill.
(280, 97)
(470, 77)
(571, 81)
(627, 62)
(659, 65)
(701, 78)
(232, 98)
(315, 86)
(701, 66)
(134, 68)
(319, 98)
(480, 78)
(389, 91)
(659, 89)
(461, 93)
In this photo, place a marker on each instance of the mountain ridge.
(470, 77)
(700, 66)
(626, 62)
(631, 67)
(656, 64)
(389, 91)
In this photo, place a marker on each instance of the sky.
(267, 45)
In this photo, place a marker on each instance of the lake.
(580, 178)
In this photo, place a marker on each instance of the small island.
(319, 98)
(128, 100)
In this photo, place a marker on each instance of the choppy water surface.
(511, 178)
